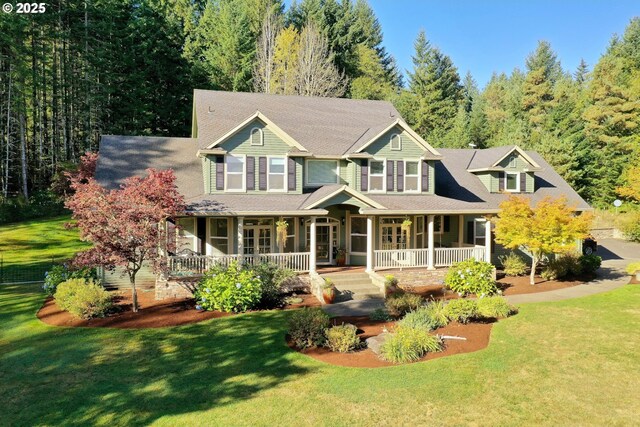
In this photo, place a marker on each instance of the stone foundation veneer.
(183, 287)
(417, 276)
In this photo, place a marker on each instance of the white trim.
(272, 126)
(284, 175)
(352, 193)
(522, 153)
(384, 176)
(401, 123)
(317, 184)
(244, 173)
(260, 132)
(418, 176)
(475, 231)
(517, 174)
(399, 147)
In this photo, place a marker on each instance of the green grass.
(28, 248)
(567, 363)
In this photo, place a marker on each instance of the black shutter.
(291, 172)
(219, 173)
(364, 175)
(500, 181)
(425, 176)
(447, 223)
(251, 173)
(523, 182)
(470, 235)
(262, 173)
(400, 175)
(389, 175)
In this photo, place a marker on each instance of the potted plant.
(328, 291)
(341, 257)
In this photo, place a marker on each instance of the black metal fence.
(25, 273)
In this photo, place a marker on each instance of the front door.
(393, 237)
(257, 240)
(324, 244)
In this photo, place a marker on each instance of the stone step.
(347, 277)
(356, 287)
(355, 296)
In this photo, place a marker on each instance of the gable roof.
(488, 159)
(430, 152)
(269, 124)
(323, 126)
(328, 192)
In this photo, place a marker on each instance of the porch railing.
(443, 257)
(198, 264)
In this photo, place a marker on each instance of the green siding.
(521, 163)
(491, 180)
(530, 182)
(382, 146)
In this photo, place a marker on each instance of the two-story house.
(342, 173)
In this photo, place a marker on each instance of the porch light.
(343, 221)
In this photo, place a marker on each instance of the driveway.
(615, 253)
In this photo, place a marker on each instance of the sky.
(484, 36)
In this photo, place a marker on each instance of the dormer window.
(512, 162)
(512, 182)
(257, 137)
(396, 142)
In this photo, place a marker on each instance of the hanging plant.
(406, 227)
(281, 233)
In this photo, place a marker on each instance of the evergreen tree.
(372, 82)
(582, 72)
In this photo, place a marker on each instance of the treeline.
(586, 123)
(93, 67)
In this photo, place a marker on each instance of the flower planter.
(638, 275)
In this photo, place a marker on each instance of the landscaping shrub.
(554, 270)
(272, 278)
(61, 273)
(400, 304)
(343, 338)
(408, 345)
(380, 315)
(590, 263)
(513, 265)
(572, 263)
(471, 277)
(307, 327)
(83, 298)
(41, 204)
(633, 267)
(631, 227)
(494, 307)
(461, 310)
(418, 318)
(231, 289)
(437, 312)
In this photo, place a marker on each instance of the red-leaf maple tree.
(125, 225)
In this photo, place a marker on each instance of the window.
(322, 172)
(420, 243)
(438, 224)
(276, 174)
(512, 181)
(376, 176)
(411, 176)
(359, 234)
(479, 232)
(512, 162)
(257, 236)
(257, 137)
(396, 142)
(235, 176)
(219, 236)
(391, 235)
(289, 245)
(187, 235)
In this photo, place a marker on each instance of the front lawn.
(29, 248)
(573, 362)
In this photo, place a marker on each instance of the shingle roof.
(124, 156)
(486, 157)
(324, 126)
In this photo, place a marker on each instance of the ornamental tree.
(125, 225)
(551, 226)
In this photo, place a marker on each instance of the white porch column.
(487, 240)
(240, 238)
(369, 243)
(432, 251)
(312, 245)
(460, 230)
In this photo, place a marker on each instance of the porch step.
(353, 286)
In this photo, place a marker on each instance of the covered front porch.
(342, 236)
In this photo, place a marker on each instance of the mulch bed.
(152, 313)
(477, 335)
(508, 285)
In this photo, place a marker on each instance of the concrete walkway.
(616, 254)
